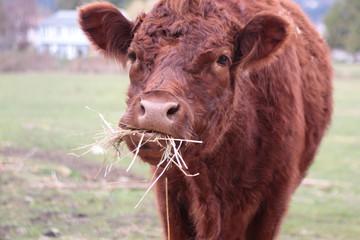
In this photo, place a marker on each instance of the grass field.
(43, 117)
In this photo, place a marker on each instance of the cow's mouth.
(149, 145)
(146, 141)
(152, 146)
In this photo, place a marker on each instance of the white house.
(60, 35)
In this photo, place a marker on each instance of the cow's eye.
(132, 56)
(222, 60)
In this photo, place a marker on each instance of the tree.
(69, 4)
(16, 18)
(72, 4)
(3, 19)
(343, 26)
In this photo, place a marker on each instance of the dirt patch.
(86, 167)
(95, 64)
(27, 61)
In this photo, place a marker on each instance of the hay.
(111, 140)
(167, 208)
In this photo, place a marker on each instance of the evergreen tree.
(3, 19)
(69, 4)
(73, 4)
(343, 26)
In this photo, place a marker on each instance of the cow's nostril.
(142, 110)
(171, 112)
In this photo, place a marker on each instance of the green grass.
(48, 110)
(46, 113)
(79, 213)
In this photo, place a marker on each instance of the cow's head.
(185, 62)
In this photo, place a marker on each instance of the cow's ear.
(107, 28)
(262, 38)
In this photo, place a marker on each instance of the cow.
(251, 79)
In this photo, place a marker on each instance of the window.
(58, 30)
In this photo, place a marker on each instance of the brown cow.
(250, 78)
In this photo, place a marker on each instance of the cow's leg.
(265, 225)
(194, 210)
(180, 226)
(205, 207)
(267, 220)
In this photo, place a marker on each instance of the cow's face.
(183, 66)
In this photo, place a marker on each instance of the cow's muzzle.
(159, 111)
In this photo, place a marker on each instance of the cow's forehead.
(193, 32)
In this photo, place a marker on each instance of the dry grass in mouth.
(111, 140)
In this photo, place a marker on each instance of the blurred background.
(49, 73)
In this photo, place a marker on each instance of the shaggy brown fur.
(251, 79)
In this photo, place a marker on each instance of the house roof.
(62, 17)
(65, 17)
